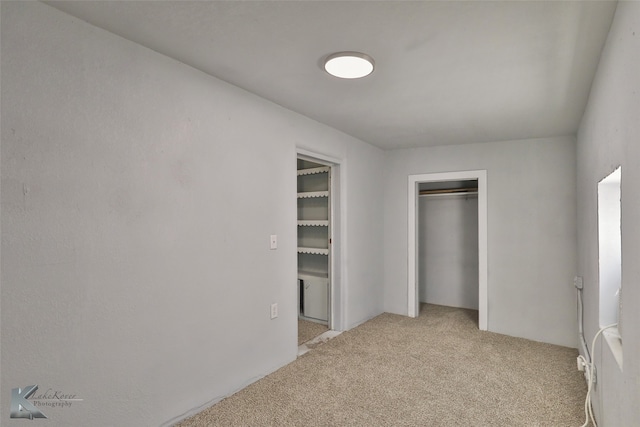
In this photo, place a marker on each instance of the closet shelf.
(313, 223)
(313, 194)
(309, 275)
(313, 251)
(313, 171)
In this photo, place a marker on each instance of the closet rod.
(449, 192)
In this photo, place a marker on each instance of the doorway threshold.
(320, 339)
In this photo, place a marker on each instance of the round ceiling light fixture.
(349, 65)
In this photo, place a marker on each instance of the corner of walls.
(608, 137)
(531, 230)
(365, 233)
(362, 206)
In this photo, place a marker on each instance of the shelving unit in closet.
(314, 224)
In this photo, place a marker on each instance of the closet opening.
(317, 292)
(447, 242)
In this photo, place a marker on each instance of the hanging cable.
(590, 370)
(580, 303)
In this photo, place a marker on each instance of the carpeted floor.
(309, 330)
(434, 370)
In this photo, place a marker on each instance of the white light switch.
(274, 241)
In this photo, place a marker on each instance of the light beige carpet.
(308, 330)
(434, 370)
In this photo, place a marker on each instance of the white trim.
(613, 339)
(412, 247)
(315, 157)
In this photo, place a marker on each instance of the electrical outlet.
(274, 310)
(273, 241)
(580, 365)
(577, 282)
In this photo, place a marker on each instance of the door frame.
(337, 315)
(414, 182)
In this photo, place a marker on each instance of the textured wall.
(138, 196)
(609, 136)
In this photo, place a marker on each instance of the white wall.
(531, 230)
(138, 196)
(448, 250)
(609, 136)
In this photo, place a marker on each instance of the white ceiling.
(447, 72)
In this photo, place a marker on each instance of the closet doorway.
(315, 290)
(447, 241)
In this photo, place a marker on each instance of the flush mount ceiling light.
(349, 65)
